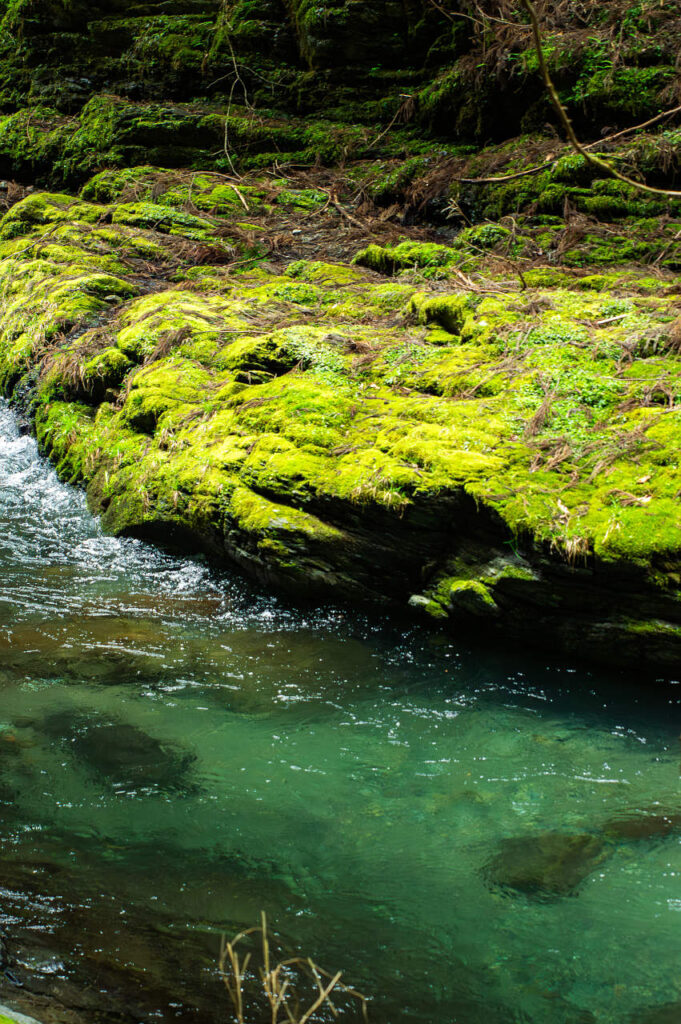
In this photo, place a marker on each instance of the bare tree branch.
(590, 145)
(592, 158)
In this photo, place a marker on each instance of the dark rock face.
(358, 32)
(179, 50)
(359, 58)
(545, 866)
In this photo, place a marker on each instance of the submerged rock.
(667, 1013)
(642, 825)
(546, 865)
(107, 962)
(119, 753)
(173, 605)
(11, 766)
(106, 649)
(129, 758)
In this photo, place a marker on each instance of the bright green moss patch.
(268, 521)
(324, 274)
(42, 209)
(450, 311)
(389, 259)
(162, 219)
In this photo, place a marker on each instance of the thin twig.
(240, 195)
(321, 998)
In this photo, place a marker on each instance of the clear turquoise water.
(350, 779)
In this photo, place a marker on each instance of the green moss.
(468, 596)
(105, 371)
(111, 185)
(450, 311)
(82, 373)
(269, 521)
(324, 274)
(391, 182)
(165, 387)
(163, 219)
(390, 297)
(44, 208)
(389, 259)
(309, 199)
(634, 91)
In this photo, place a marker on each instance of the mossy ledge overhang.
(483, 459)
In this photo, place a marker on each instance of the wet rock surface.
(75, 954)
(102, 649)
(643, 825)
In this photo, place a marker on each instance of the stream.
(470, 836)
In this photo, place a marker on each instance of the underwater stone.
(641, 825)
(129, 758)
(101, 649)
(668, 1013)
(546, 865)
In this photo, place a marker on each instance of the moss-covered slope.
(77, 79)
(499, 448)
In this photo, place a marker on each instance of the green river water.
(471, 837)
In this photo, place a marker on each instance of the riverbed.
(469, 835)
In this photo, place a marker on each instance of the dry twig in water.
(278, 980)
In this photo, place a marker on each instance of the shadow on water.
(472, 836)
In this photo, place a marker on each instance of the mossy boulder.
(503, 456)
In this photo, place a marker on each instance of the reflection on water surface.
(469, 838)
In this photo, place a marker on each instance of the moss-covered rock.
(502, 452)
(480, 422)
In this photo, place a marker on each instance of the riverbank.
(478, 423)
